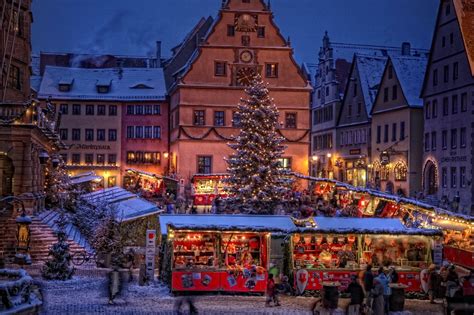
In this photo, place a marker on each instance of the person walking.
(376, 293)
(115, 284)
(368, 279)
(357, 296)
(385, 281)
(271, 292)
(432, 282)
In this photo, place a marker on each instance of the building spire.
(269, 5)
(326, 41)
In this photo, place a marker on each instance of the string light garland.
(257, 181)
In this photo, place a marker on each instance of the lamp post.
(23, 234)
(314, 164)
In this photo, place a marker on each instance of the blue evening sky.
(132, 27)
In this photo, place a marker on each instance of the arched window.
(384, 172)
(400, 171)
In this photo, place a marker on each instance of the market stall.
(333, 249)
(149, 185)
(227, 253)
(206, 187)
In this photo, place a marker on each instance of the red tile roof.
(465, 14)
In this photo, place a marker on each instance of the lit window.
(400, 171)
(285, 163)
(271, 70)
(204, 164)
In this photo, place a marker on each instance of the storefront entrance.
(431, 180)
(356, 177)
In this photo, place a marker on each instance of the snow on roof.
(365, 225)
(223, 222)
(85, 179)
(35, 82)
(122, 81)
(410, 72)
(127, 205)
(135, 208)
(370, 72)
(347, 50)
(394, 198)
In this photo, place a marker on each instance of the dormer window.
(103, 89)
(64, 85)
(141, 86)
(103, 86)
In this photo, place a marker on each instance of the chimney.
(406, 49)
(158, 53)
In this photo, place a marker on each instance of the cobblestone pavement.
(89, 296)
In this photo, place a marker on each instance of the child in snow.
(271, 292)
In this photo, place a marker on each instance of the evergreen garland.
(257, 182)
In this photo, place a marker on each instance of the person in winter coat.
(115, 284)
(271, 292)
(385, 281)
(432, 282)
(393, 275)
(368, 279)
(357, 296)
(378, 307)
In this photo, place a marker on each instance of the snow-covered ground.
(84, 295)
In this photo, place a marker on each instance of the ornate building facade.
(448, 94)
(27, 130)
(111, 119)
(241, 42)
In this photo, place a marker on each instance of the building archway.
(430, 178)
(7, 171)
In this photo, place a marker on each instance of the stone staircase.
(42, 236)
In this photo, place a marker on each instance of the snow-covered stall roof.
(127, 205)
(84, 178)
(364, 225)
(410, 72)
(124, 83)
(393, 198)
(370, 73)
(222, 222)
(132, 209)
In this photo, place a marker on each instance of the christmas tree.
(57, 183)
(59, 266)
(257, 182)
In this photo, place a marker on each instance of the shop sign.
(91, 147)
(150, 250)
(384, 158)
(454, 159)
(354, 151)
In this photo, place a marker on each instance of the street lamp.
(43, 157)
(23, 235)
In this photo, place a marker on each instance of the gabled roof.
(410, 72)
(122, 81)
(465, 14)
(370, 73)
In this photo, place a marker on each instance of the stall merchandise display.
(219, 261)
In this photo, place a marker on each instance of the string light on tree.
(257, 181)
